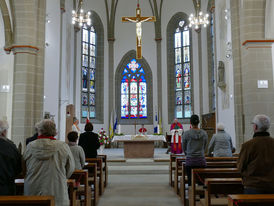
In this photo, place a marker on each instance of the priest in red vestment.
(176, 129)
(143, 130)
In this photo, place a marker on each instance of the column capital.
(29, 49)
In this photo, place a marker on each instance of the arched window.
(179, 64)
(182, 71)
(92, 71)
(88, 72)
(133, 91)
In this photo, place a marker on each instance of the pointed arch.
(7, 24)
(92, 70)
(127, 58)
(180, 96)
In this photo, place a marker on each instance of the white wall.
(225, 101)
(52, 59)
(6, 79)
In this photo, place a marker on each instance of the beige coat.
(49, 163)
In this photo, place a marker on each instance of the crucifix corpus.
(138, 20)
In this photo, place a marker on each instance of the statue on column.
(221, 75)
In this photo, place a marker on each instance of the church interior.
(128, 63)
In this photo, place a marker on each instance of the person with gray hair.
(49, 162)
(10, 161)
(75, 126)
(256, 162)
(220, 144)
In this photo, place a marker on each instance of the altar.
(138, 146)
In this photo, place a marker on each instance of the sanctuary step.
(117, 154)
(138, 166)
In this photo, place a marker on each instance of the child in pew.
(77, 151)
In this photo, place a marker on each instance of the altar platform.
(139, 146)
(117, 154)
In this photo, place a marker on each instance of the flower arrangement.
(103, 138)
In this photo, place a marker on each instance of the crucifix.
(138, 20)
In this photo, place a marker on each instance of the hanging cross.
(138, 20)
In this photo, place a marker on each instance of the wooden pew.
(251, 200)
(221, 159)
(221, 187)
(172, 162)
(178, 167)
(83, 189)
(19, 184)
(178, 173)
(199, 176)
(93, 182)
(72, 188)
(180, 170)
(27, 200)
(105, 168)
(99, 163)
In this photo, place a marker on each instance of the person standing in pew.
(49, 162)
(10, 161)
(194, 145)
(76, 150)
(34, 137)
(220, 144)
(89, 141)
(256, 162)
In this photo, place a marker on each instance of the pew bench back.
(251, 200)
(27, 200)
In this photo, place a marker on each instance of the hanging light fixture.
(199, 18)
(80, 17)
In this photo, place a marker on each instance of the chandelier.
(199, 18)
(80, 17)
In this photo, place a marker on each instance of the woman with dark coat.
(89, 141)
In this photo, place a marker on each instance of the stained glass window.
(133, 91)
(182, 51)
(88, 69)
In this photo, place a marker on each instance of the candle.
(119, 129)
(158, 128)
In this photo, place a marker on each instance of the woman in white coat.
(49, 162)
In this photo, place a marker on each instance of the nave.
(138, 181)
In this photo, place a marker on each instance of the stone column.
(200, 56)
(111, 86)
(28, 85)
(236, 46)
(159, 78)
(252, 59)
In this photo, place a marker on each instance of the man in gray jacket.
(220, 144)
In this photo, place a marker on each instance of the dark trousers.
(188, 172)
